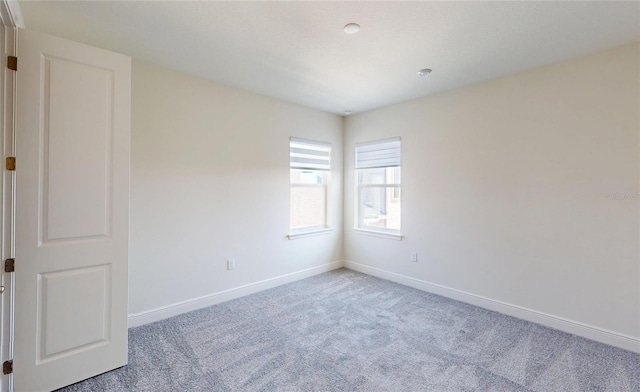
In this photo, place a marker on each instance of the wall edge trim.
(562, 324)
(164, 312)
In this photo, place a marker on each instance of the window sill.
(310, 233)
(390, 236)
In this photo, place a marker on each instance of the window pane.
(384, 175)
(307, 176)
(380, 207)
(393, 175)
(307, 206)
(373, 176)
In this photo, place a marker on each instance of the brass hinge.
(9, 265)
(11, 163)
(7, 367)
(12, 63)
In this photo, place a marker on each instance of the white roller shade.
(379, 153)
(309, 154)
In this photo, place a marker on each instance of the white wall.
(210, 181)
(505, 189)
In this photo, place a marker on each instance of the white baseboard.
(573, 327)
(150, 316)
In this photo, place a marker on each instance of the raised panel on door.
(77, 128)
(72, 212)
(59, 333)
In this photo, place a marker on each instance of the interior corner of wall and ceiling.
(298, 51)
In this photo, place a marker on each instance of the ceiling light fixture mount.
(351, 28)
(424, 72)
(347, 112)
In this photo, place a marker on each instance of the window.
(378, 186)
(310, 166)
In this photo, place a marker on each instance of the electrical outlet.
(231, 264)
(414, 257)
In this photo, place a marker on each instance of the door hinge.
(7, 367)
(11, 163)
(12, 63)
(9, 265)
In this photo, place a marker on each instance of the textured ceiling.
(297, 51)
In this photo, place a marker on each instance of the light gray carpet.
(345, 331)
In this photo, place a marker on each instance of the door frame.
(10, 19)
(7, 211)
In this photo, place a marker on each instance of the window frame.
(325, 195)
(391, 185)
(323, 228)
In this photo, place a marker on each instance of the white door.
(72, 211)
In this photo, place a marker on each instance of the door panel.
(77, 111)
(58, 332)
(72, 211)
